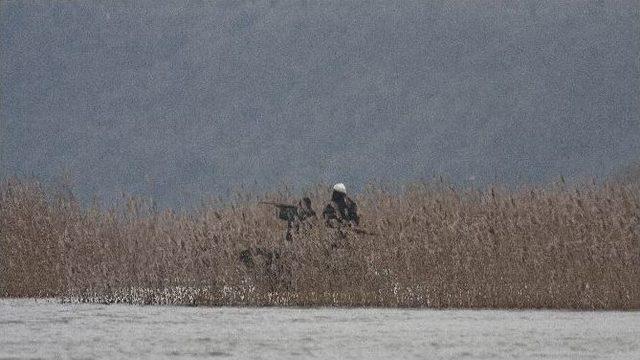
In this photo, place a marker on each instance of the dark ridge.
(180, 100)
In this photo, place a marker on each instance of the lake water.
(47, 329)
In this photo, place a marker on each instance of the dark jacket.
(341, 211)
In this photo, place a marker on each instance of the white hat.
(339, 187)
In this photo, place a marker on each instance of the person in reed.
(302, 219)
(341, 210)
(305, 215)
(298, 216)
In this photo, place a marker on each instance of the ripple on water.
(11, 322)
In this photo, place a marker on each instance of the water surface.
(47, 329)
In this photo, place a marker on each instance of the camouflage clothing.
(297, 216)
(303, 215)
(341, 211)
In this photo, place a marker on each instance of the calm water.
(47, 329)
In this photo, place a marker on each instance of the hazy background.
(178, 100)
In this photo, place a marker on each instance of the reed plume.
(436, 246)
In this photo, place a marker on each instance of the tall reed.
(436, 246)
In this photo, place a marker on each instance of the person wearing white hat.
(341, 210)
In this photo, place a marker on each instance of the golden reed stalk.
(572, 248)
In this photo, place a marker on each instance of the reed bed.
(436, 246)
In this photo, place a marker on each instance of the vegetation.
(436, 246)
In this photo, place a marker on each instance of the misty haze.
(331, 179)
(183, 100)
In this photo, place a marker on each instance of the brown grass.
(576, 248)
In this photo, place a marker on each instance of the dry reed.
(575, 248)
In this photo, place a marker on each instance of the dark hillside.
(177, 100)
